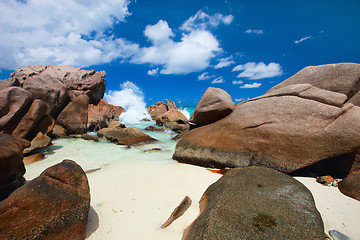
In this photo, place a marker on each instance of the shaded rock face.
(341, 77)
(12, 167)
(256, 203)
(214, 105)
(75, 115)
(54, 205)
(173, 120)
(31, 118)
(14, 103)
(287, 129)
(125, 136)
(100, 115)
(350, 186)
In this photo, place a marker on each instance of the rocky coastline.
(308, 125)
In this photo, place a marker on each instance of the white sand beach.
(130, 199)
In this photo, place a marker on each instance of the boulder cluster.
(307, 125)
(169, 117)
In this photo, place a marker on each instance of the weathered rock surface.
(58, 132)
(57, 85)
(45, 126)
(350, 186)
(100, 115)
(341, 77)
(12, 167)
(287, 129)
(170, 104)
(14, 103)
(256, 203)
(157, 109)
(74, 116)
(40, 141)
(34, 158)
(173, 120)
(214, 105)
(125, 136)
(90, 137)
(79, 82)
(153, 129)
(31, 118)
(116, 124)
(54, 205)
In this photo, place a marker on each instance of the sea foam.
(131, 98)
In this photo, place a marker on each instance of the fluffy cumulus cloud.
(259, 70)
(302, 39)
(192, 53)
(218, 80)
(254, 31)
(253, 85)
(79, 33)
(203, 21)
(159, 33)
(69, 32)
(224, 62)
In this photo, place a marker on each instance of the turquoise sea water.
(89, 154)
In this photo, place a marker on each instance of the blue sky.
(177, 49)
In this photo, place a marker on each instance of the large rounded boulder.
(12, 168)
(122, 135)
(14, 102)
(256, 203)
(341, 77)
(31, 118)
(214, 105)
(287, 129)
(350, 185)
(54, 205)
(75, 115)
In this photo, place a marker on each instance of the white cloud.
(224, 62)
(302, 39)
(218, 80)
(191, 54)
(205, 76)
(153, 72)
(237, 82)
(254, 31)
(239, 99)
(259, 70)
(253, 85)
(238, 68)
(159, 33)
(69, 32)
(203, 21)
(79, 33)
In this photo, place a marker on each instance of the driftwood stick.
(178, 211)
